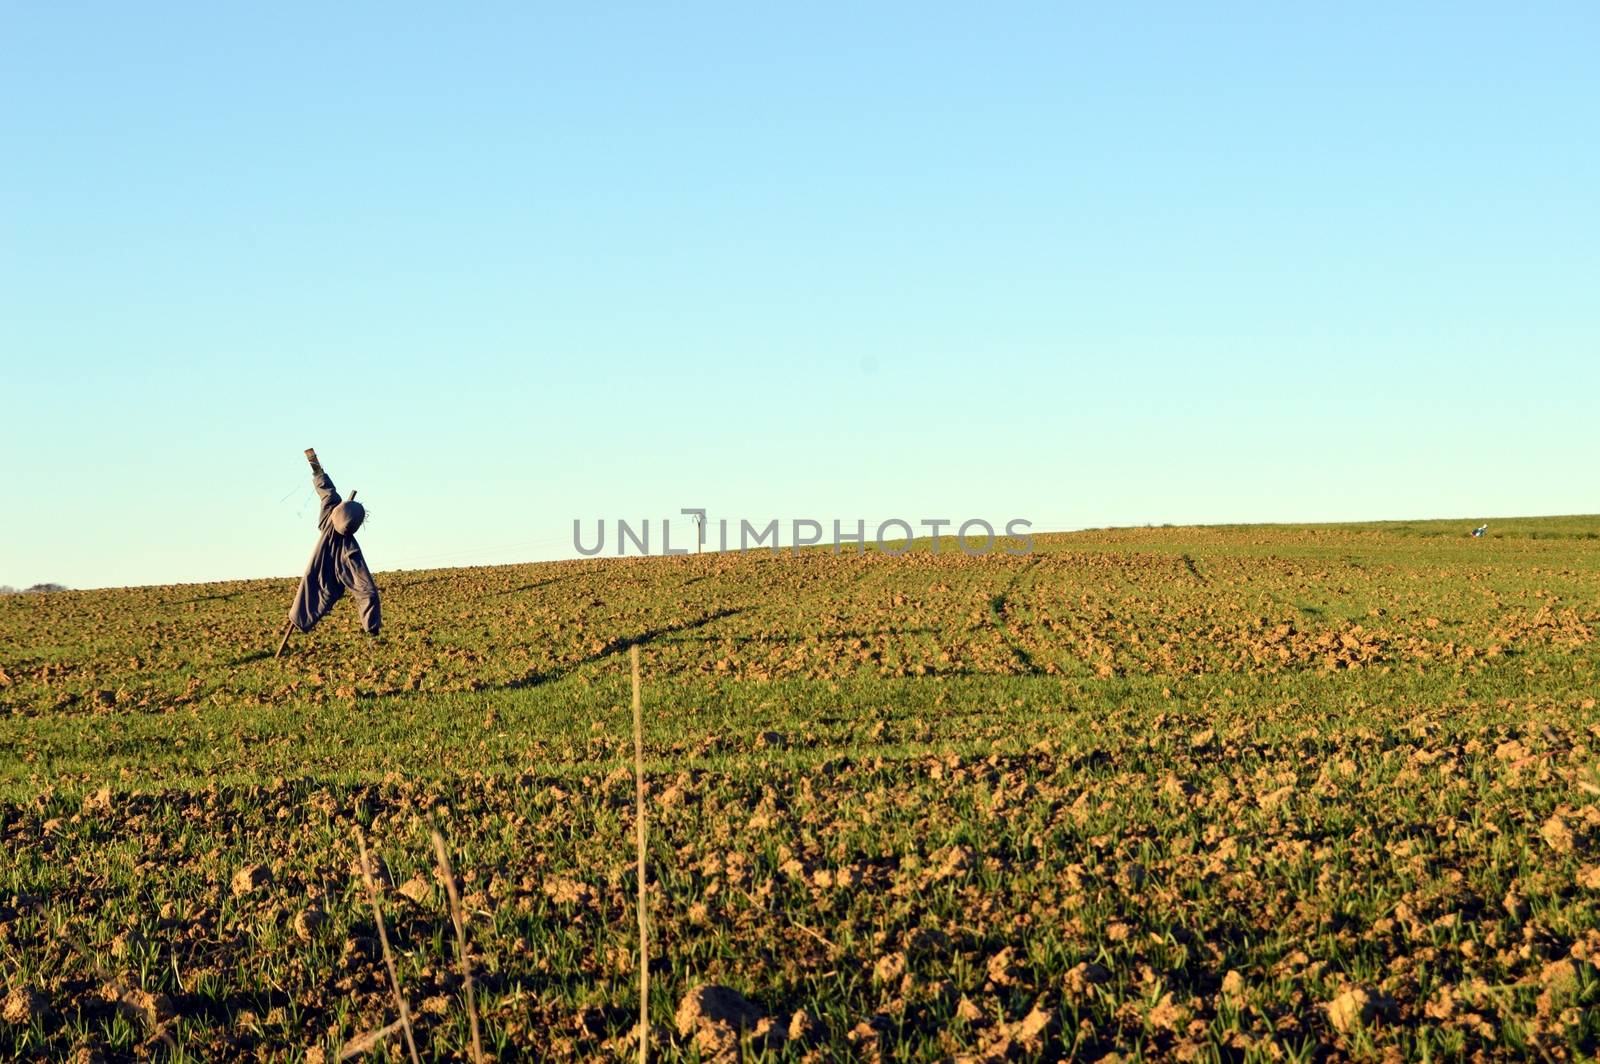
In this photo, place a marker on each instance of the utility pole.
(699, 515)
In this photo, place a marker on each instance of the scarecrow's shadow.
(525, 587)
(220, 596)
(409, 584)
(852, 633)
(260, 655)
(539, 679)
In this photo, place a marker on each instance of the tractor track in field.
(997, 606)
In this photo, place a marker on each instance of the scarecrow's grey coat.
(336, 566)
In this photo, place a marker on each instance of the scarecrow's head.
(347, 517)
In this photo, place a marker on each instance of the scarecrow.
(336, 564)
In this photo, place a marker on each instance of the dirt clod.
(1557, 835)
(889, 968)
(307, 922)
(416, 890)
(1353, 1008)
(1002, 968)
(715, 1016)
(1038, 1023)
(806, 1028)
(151, 1009)
(250, 880)
(24, 1005)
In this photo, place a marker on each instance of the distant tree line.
(7, 589)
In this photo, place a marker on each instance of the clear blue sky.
(1087, 265)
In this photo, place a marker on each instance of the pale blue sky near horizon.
(510, 265)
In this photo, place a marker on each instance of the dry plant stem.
(362, 1044)
(383, 940)
(459, 919)
(638, 821)
(758, 907)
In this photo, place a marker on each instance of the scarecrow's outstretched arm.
(325, 489)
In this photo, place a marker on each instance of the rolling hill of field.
(1250, 792)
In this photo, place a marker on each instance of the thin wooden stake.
(638, 821)
(383, 939)
(287, 628)
(456, 916)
